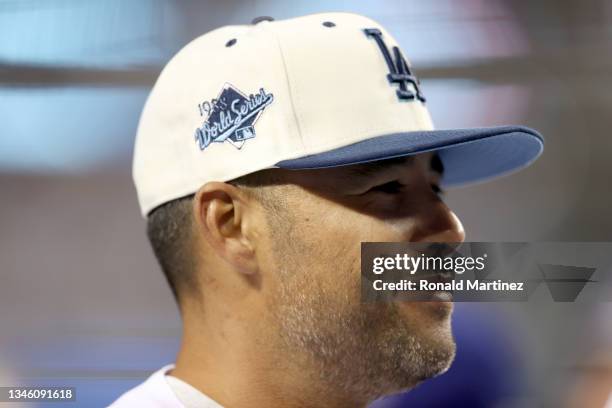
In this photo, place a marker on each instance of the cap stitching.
(290, 90)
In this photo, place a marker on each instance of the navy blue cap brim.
(468, 155)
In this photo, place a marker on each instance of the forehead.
(428, 160)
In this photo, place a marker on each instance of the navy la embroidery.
(399, 71)
(231, 117)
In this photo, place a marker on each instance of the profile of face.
(308, 274)
(314, 253)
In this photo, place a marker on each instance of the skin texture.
(278, 321)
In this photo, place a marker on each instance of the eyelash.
(437, 189)
(394, 187)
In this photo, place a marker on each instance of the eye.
(392, 187)
(436, 189)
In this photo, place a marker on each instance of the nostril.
(329, 24)
(231, 42)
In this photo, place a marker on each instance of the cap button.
(258, 20)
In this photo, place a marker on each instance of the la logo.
(399, 71)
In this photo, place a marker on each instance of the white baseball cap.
(317, 91)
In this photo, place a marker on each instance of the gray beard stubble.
(363, 350)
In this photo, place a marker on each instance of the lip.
(437, 276)
(441, 309)
(438, 309)
(435, 296)
(442, 296)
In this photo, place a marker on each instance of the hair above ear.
(169, 229)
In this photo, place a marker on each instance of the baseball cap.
(316, 91)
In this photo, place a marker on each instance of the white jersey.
(163, 391)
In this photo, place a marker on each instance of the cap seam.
(289, 88)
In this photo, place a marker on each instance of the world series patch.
(231, 117)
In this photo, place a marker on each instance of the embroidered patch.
(231, 117)
(399, 71)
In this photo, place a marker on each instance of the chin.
(442, 349)
(432, 368)
(420, 348)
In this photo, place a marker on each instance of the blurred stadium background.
(82, 300)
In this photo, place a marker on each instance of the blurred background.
(82, 301)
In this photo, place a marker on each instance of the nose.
(438, 223)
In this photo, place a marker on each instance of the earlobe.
(221, 214)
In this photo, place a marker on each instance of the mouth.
(438, 286)
(438, 306)
(441, 296)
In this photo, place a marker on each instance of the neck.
(236, 367)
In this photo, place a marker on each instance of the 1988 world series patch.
(231, 117)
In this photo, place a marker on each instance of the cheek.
(333, 234)
(353, 227)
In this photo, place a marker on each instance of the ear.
(223, 219)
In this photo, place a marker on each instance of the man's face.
(368, 349)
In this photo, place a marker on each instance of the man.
(264, 156)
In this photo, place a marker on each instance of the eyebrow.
(436, 164)
(373, 168)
